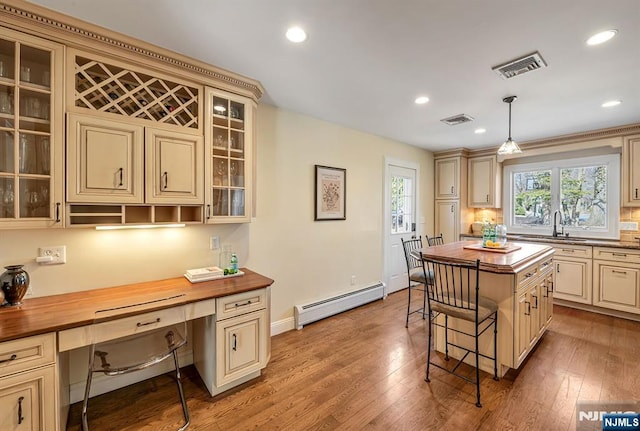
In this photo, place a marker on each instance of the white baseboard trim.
(283, 325)
(102, 384)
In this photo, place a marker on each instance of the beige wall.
(311, 260)
(307, 259)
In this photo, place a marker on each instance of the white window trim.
(612, 230)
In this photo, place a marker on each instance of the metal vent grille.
(457, 119)
(521, 65)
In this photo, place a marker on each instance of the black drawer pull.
(12, 358)
(148, 323)
(242, 304)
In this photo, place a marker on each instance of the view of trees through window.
(401, 204)
(583, 196)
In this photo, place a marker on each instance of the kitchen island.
(520, 281)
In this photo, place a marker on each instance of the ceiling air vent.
(457, 119)
(519, 66)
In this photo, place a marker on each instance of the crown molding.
(70, 31)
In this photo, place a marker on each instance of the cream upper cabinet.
(228, 157)
(631, 171)
(174, 171)
(104, 160)
(484, 180)
(31, 132)
(447, 173)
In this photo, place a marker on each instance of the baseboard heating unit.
(312, 312)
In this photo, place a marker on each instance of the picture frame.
(330, 193)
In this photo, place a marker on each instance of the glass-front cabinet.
(31, 169)
(228, 168)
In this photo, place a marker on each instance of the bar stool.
(137, 352)
(455, 293)
(417, 279)
(435, 240)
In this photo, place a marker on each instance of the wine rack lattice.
(107, 88)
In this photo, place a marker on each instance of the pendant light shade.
(509, 146)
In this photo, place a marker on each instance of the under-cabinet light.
(139, 226)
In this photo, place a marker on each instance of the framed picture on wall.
(330, 193)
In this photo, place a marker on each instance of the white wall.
(307, 259)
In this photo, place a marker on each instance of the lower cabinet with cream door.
(28, 399)
(233, 346)
(447, 220)
(616, 276)
(572, 268)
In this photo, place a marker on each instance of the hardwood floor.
(362, 370)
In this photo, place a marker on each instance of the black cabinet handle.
(235, 343)
(636, 193)
(20, 418)
(536, 298)
(208, 211)
(166, 179)
(528, 312)
(57, 212)
(121, 171)
(558, 267)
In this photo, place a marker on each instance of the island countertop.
(490, 261)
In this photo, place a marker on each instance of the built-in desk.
(36, 336)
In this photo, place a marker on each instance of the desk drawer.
(241, 303)
(105, 331)
(26, 353)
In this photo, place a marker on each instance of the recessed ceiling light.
(601, 37)
(296, 35)
(611, 103)
(479, 131)
(421, 100)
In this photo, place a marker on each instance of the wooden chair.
(417, 279)
(435, 240)
(455, 293)
(137, 352)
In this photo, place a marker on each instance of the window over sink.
(583, 191)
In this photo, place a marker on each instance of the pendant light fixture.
(509, 146)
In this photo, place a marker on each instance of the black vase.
(15, 282)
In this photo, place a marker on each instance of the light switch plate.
(628, 225)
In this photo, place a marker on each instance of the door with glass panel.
(30, 132)
(401, 221)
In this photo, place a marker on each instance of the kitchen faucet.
(555, 223)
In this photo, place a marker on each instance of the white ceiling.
(365, 61)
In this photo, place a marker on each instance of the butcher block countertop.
(490, 261)
(70, 310)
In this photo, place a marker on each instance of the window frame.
(610, 231)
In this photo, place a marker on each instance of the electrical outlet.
(58, 255)
(214, 242)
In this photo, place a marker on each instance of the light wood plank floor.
(362, 370)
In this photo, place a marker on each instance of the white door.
(401, 215)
